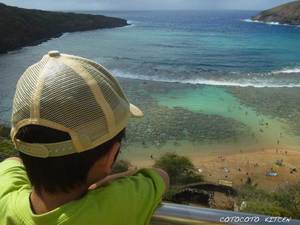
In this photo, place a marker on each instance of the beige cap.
(70, 94)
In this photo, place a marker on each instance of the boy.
(69, 118)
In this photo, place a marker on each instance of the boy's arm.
(130, 172)
(135, 197)
(165, 177)
(111, 178)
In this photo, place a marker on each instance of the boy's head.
(62, 174)
(69, 117)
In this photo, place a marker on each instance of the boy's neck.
(43, 202)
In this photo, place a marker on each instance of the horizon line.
(108, 9)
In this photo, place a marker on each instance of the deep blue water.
(217, 47)
(209, 47)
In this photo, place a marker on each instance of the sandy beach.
(237, 167)
(234, 166)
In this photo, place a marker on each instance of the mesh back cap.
(70, 94)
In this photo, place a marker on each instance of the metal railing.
(177, 214)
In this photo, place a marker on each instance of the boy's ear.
(111, 156)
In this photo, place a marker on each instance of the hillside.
(22, 27)
(285, 14)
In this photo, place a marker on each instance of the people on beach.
(68, 122)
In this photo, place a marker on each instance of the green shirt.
(130, 200)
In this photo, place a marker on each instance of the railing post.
(191, 213)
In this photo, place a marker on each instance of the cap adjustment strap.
(37, 150)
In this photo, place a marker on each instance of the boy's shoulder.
(13, 176)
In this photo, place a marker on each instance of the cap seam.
(35, 104)
(97, 92)
(104, 70)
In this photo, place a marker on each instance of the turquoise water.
(216, 49)
(211, 100)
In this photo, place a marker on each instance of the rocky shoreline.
(26, 27)
(284, 14)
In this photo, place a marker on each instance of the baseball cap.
(71, 94)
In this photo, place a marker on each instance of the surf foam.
(241, 83)
(288, 70)
(268, 23)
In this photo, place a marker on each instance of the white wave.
(250, 21)
(131, 23)
(288, 70)
(240, 83)
(268, 23)
(128, 26)
(65, 34)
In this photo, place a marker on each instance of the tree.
(180, 169)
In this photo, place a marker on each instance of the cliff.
(285, 14)
(22, 27)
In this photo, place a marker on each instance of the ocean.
(240, 77)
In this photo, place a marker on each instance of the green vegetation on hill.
(284, 202)
(285, 14)
(181, 172)
(6, 146)
(180, 169)
(21, 27)
(6, 149)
